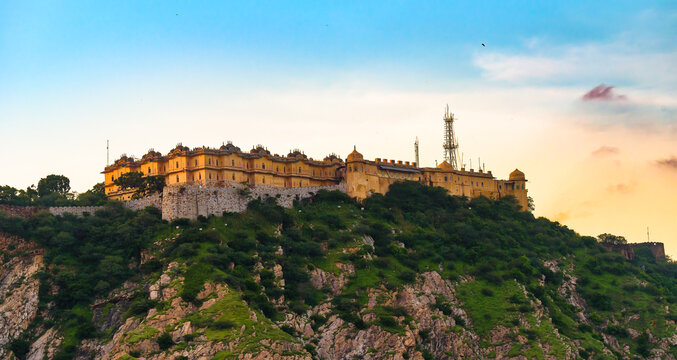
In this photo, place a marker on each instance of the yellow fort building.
(228, 166)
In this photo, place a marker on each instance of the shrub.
(165, 341)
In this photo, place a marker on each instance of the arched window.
(209, 161)
(195, 162)
(177, 178)
(177, 164)
(263, 179)
(149, 170)
(232, 162)
(299, 169)
(233, 176)
(263, 166)
(199, 176)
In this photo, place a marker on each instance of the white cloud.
(590, 63)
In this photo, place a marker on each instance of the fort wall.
(154, 200)
(191, 201)
(24, 212)
(73, 210)
(628, 250)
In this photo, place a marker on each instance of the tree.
(143, 186)
(54, 184)
(130, 180)
(94, 196)
(530, 203)
(611, 239)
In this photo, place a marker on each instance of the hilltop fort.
(229, 166)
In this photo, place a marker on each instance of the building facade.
(364, 177)
(229, 165)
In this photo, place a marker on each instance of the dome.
(517, 176)
(445, 166)
(355, 156)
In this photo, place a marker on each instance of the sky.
(581, 96)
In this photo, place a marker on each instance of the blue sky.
(325, 76)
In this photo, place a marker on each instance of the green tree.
(93, 196)
(130, 180)
(142, 186)
(54, 184)
(611, 239)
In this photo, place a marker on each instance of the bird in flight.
(483, 44)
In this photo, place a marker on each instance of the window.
(209, 161)
(177, 178)
(233, 176)
(482, 184)
(263, 166)
(177, 164)
(232, 162)
(277, 169)
(445, 178)
(284, 170)
(299, 169)
(217, 163)
(263, 179)
(149, 170)
(195, 162)
(247, 165)
(199, 176)
(313, 172)
(210, 176)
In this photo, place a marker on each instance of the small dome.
(445, 166)
(355, 156)
(517, 175)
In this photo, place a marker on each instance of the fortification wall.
(191, 201)
(73, 210)
(154, 200)
(628, 250)
(20, 211)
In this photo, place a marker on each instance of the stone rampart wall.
(191, 201)
(74, 210)
(20, 211)
(154, 200)
(628, 250)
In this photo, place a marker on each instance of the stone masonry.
(191, 201)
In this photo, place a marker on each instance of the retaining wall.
(74, 210)
(20, 211)
(191, 201)
(628, 250)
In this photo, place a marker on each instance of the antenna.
(450, 144)
(416, 152)
(107, 154)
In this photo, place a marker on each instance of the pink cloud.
(669, 162)
(603, 93)
(605, 150)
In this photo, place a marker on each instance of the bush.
(165, 341)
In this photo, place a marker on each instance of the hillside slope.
(415, 274)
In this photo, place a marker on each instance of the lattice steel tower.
(450, 144)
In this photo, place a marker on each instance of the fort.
(227, 166)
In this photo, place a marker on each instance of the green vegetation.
(52, 190)
(492, 250)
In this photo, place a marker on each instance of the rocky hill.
(415, 274)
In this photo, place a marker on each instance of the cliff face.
(329, 279)
(20, 261)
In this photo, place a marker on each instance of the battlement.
(628, 250)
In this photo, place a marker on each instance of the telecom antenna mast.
(416, 152)
(450, 144)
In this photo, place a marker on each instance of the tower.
(416, 152)
(450, 144)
